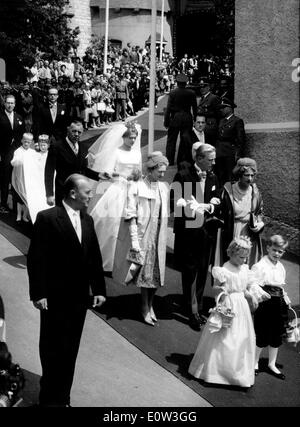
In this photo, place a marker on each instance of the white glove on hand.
(181, 203)
(215, 201)
(134, 235)
(198, 207)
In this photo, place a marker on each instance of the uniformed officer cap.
(182, 78)
(226, 102)
(203, 82)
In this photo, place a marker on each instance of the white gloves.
(198, 207)
(134, 235)
(215, 201)
(181, 203)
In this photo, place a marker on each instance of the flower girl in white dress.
(227, 355)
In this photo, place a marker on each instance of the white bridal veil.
(102, 154)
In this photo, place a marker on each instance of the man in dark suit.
(51, 117)
(179, 115)
(194, 229)
(65, 277)
(11, 130)
(198, 134)
(230, 142)
(65, 157)
(209, 106)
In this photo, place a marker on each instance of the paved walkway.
(110, 371)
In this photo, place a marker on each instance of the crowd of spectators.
(89, 93)
(98, 97)
(212, 66)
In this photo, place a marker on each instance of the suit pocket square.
(213, 188)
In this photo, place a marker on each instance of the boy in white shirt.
(271, 316)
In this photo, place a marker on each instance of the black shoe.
(195, 322)
(280, 376)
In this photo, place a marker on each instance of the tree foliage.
(34, 27)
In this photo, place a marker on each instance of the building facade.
(129, 22)
(188, 25)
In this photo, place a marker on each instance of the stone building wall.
(82, 19)
(266, 43)
(128, 26)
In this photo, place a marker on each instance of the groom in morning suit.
(195, 233)
(65, 278)
(66, 157)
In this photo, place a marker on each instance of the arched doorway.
(195, 34)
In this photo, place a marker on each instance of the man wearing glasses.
(51, 118)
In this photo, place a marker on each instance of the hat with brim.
(182, 78)
(227, 103)
(203, 82)
(244, 163)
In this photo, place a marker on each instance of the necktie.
(201, 136)
(77, 225)
(11, 119)
(53, 111)
(75, 148)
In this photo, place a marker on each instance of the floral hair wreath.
(242, 242)
(131, 126)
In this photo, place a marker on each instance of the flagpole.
(161, 30)
(106, 36)
(152, 77)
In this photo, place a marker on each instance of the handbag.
(136, 257)
(293, 331)
(223, 312)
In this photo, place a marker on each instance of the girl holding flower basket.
(226, 350)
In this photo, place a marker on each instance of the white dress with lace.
(227, 356)
(108, 211)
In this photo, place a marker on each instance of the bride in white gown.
(117, 153)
